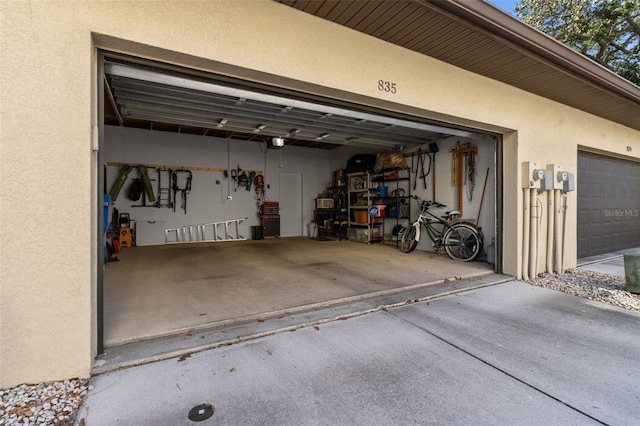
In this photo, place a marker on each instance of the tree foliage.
(607, 31)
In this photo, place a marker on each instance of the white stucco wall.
(208, 200)
(48, 107)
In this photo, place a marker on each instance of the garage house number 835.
(387, 86)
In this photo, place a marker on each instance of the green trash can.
(632, 273)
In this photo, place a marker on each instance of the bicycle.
(461, 240)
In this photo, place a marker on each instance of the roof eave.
(496, 22)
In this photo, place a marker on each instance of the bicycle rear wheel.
(408, 242)
(462, 242)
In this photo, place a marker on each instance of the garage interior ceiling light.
(275, 143)
(144, 94)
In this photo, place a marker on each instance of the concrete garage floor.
(160, 290)
(171, 301)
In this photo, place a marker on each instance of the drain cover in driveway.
(201, 412)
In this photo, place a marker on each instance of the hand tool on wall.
(415, 177)
(419, 170)
(486, 177)
(458, 158)
(470, 174)
(433, 150)
(252, 175)
(184, 190)
(136, 189)
(174, 187)
(234, 176)
(144, 175)
(424, 175)
(457, 168)
(412, 169)
(141, 188)
(120, 180)
(258, 185)
(243, 179)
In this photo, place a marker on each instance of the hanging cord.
(430, 163)
(263, 146)
(470, 175)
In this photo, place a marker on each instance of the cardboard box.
(324, 203)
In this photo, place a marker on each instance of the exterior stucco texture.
(49, 171)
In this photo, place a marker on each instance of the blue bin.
(382, 191)
(107, 204)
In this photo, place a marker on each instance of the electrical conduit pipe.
(525, 234)
(564, 230)
(556, 213)
(550, 230)
(533, 238)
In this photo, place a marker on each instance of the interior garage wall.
(48, 88)
(447, 193)
(207, 201)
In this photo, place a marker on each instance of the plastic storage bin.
(361, 216)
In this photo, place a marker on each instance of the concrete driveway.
(610, 263)
(506, 354)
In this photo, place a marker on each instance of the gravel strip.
(53, 403)
(591, 285)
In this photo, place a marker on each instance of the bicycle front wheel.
(408, 242)
(462, 242)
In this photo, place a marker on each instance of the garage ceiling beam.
(282, 128)
(192, 100)
(112, 101)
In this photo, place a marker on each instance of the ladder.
(225, 230)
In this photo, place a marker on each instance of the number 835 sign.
(387, 86)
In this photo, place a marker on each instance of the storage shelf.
(402, 181)
(366, 192)
(374, 229)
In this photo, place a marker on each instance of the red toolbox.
(270, 208)
(270, 219)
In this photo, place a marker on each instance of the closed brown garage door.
(608, 204)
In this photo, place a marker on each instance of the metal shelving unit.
(361, 192)
(398, 198)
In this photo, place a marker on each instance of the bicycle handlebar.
(429, 203)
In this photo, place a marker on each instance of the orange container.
(362, 217)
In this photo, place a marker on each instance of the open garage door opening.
(237, 203)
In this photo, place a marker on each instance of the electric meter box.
(530, 175)
(569, 183)
(555, 175)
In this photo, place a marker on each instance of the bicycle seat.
(453, 213)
